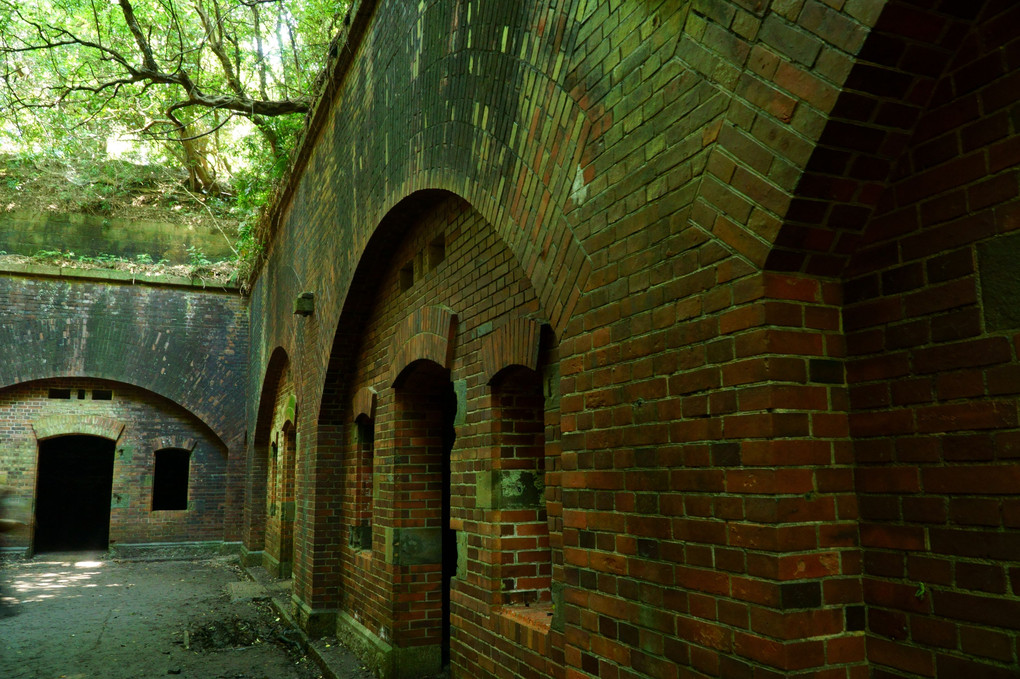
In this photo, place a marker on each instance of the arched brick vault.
(60, 425)
(256, 472)
(68, 424)
(719, 146)
(754, 154)
(425, 335)
(189, 348)
(441, 134)
(63, 424)
(363, 403)
(278, 362)
(516, 342)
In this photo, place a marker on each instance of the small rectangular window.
(170, 479)
(81, 394)
(102, 395)
(407, 277)
(437, 252)
(366, 432)
(60, 393)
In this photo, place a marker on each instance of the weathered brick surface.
(185, 344)
(774, 406)
(140, 423)
(174, 358)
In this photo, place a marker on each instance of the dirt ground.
(85, 616)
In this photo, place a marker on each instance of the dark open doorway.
(72, 508)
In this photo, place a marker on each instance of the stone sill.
(115, 276)
(527, 625)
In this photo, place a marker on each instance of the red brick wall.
(151, 423)
(933, 381)
(522, 552)
(184, 345)
(281, 468)
(397, 601)
(676, 188)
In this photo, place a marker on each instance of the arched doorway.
(284, 494)
(73, 487)
(426, 407)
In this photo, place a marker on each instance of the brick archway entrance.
(426, 407)
(74, 483)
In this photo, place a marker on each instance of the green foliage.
(47, 255)
(196, 258)
(75, 80)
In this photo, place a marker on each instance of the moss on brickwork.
(752, 231)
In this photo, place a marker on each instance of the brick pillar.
(253, 529)
(788, 556)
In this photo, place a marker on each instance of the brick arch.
(219, 430)
(176, 442)
(148, 343)
(893, 80)
(69, 424)
(363, 403)
(546, 250)
(290, 412)
(470, 151)
(795, 149)
(516, 342)
(278, 362)
(425, 335)
(253, 532)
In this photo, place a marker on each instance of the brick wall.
(172, 355)
(693, 198)
(185, 343)
(932, 372)
(146, 423)
(386, 590)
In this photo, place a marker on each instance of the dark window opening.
(366, 432)
(81, 394)
(407, 277)
(170, 480)
(102, 395)
(60, 393)
(361, 530)
(437, 252)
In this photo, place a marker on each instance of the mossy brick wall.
(184, 347)
(146, 422)
(685, 187)
(280, 465)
